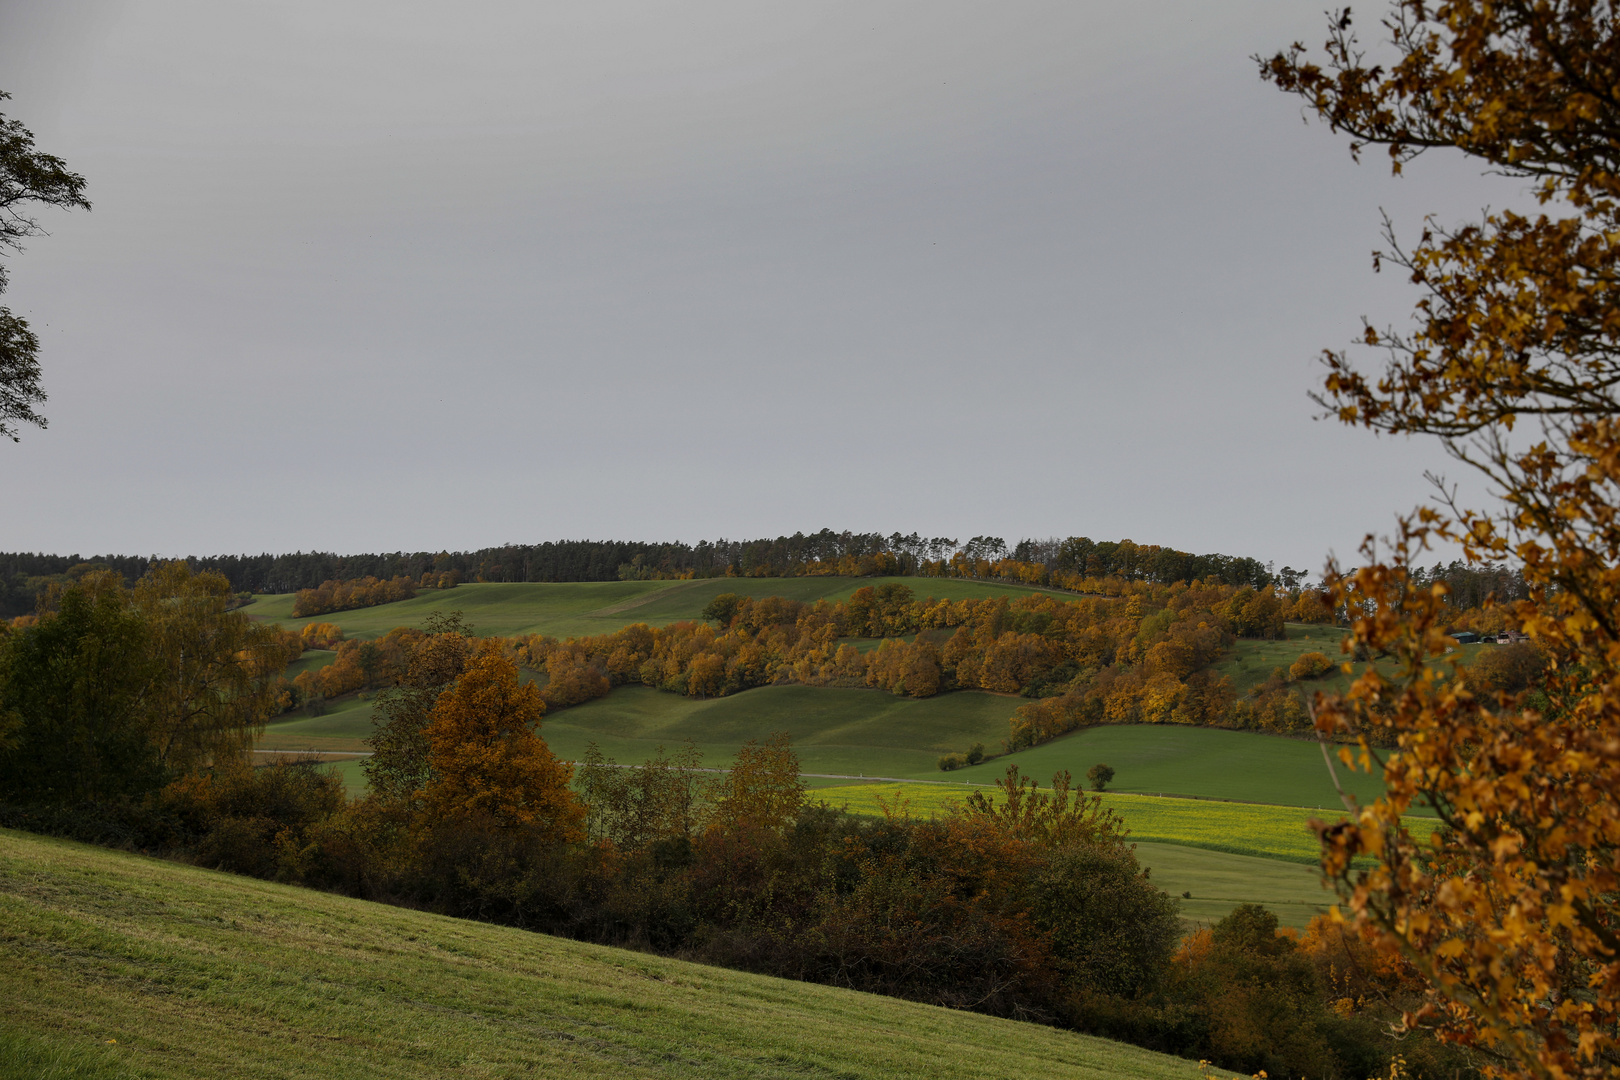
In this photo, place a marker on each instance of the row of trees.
(1139, 658)
(332, 596)
(113, 688)
(23, 574)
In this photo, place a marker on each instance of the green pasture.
(312, 660)
(1219, 881)
(1249, 663)
(575, 609)
(850, 732)
(843, 731)
(344, 727)
(118, 965)
(1177, 760)
(1269, 832)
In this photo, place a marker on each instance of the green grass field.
(872, 733)
(1176, 760)
(1269, 832)
(574, 609)
(1219, 881)
(343, 727)
(854, 732)
(117, 965)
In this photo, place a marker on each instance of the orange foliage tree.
(1510, 916)
(486, 759)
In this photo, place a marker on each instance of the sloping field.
(1271, 832)
(128, 966)
(872, 733)
(1219, 881)
(573, 609)
(854, 732)
(1177, 760)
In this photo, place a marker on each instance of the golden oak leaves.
(486, 759)
(1510, 916)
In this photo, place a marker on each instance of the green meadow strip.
(1273, 832)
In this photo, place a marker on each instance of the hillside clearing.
(199, 973)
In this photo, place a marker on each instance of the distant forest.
(23, 574)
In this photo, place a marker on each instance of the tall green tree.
(28, 178)
(74, 688)
(212, 688)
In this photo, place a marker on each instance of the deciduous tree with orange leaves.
(1513, 363)
(486, 759)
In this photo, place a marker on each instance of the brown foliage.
(1510, 915)
(486, 760)
(356, 593)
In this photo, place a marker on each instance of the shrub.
(952, 761)
(1310, 665)
(975, 753)
(1505, 669)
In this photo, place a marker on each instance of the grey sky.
(371, 276)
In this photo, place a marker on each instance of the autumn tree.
(28, 178)
(633, 806)
(486, 760)
(214, 684)
(762, 789)
(398, 767)
(1512, 364)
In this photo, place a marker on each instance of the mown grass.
(343, 728)
(135, 967)
(573, 609)
(1269, 832)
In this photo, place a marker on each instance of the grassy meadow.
(843, 731)
(1212, 883)
(1249, 663)
(1254, 829)
(575, 609)
(118, 965)
(1175, 760)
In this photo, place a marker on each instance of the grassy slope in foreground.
(572, 609)
(198, 973)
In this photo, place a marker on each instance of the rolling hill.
(117, 965)
(600, 607)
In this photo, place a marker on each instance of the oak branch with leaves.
(1512, 362)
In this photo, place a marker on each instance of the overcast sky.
(380, 276)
